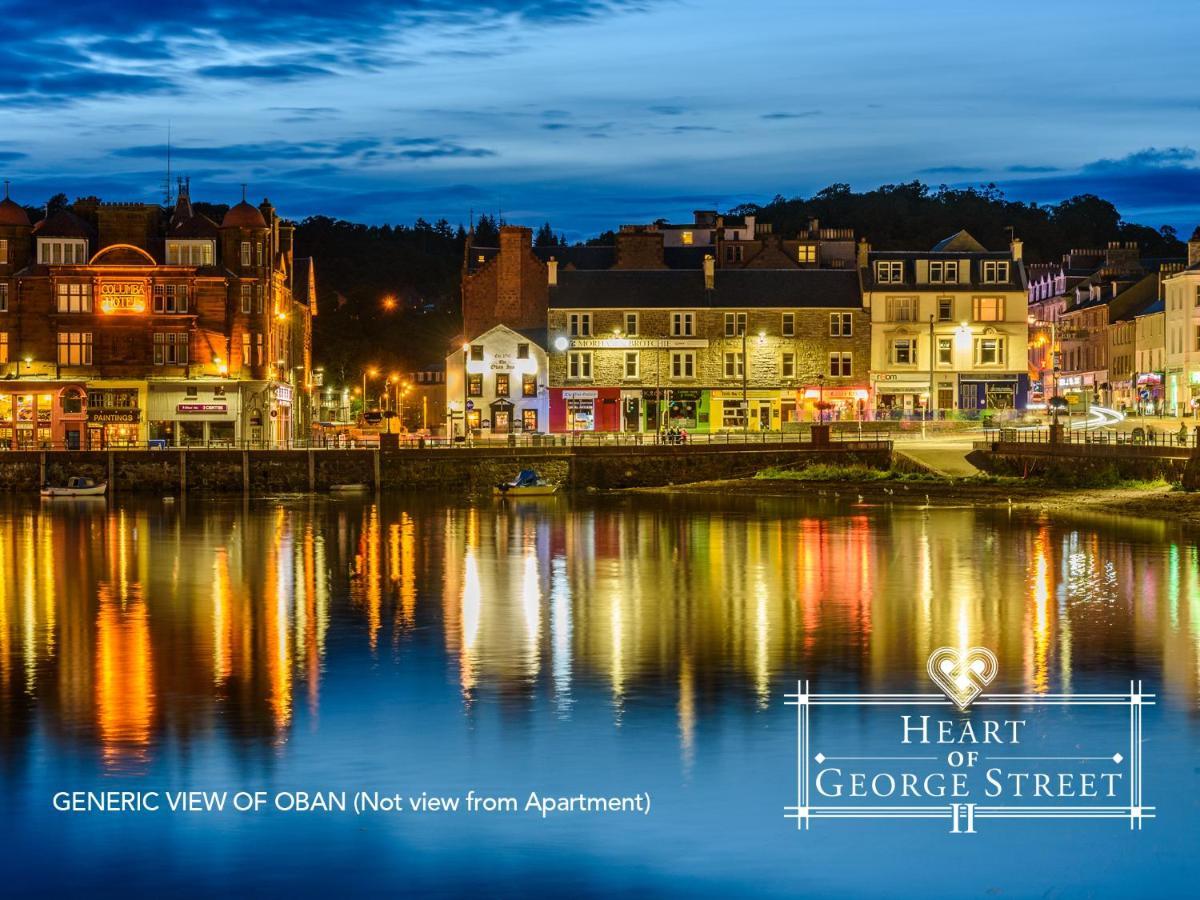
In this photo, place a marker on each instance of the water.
(603, 646)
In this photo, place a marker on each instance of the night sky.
(596, 113)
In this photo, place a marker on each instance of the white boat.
(526, 484)
(76, 486)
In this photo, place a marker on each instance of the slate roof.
(960, 241)
(64, 224)
(1016, 271)
(684, 289)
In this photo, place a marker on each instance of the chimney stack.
(864, 252)
(1194, 248)
(710, 273)
(1018, 249)
(552, 272)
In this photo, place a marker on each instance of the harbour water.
(615, 646)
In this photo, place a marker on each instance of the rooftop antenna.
(167, 183)
(5, 188)
(243, 192)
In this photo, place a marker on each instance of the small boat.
(526, 484)
(76, 486)
(348, 488)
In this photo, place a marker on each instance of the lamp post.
(932, 353)
(745, 385)
(370, 372)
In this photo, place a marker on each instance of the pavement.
(945, 456)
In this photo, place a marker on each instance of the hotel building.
(124, 323)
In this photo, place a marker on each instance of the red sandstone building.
(123, 323)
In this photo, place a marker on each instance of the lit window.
(475, 385)
(806, 253)
(62, 252)
(502, 384)
(189, 253)
(686, 237)
(988, 309)
(3, 348)
(3, 251)
(74, 348)
(74, 298)
(528, 385)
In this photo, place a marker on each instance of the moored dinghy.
(76, 486)
(526, 484)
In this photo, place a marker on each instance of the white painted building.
(1181, 376)
(500, 378)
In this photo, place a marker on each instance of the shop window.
(475, 385)
(528, 385)
(529, 420)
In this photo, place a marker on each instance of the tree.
(545, 236)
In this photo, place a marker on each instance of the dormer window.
(889, 272)
(190, 253)
(62, 251)
(994, 271)
(943, 271)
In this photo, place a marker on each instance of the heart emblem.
(962, 675)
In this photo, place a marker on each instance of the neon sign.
(123, 296)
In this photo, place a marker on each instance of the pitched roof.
(63, 223)
(960, 241)
(684, 289)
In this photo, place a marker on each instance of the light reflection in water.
(130, 626)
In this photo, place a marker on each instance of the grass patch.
(825, 472)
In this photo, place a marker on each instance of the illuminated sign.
(126, 417)
(123, 296)
(202, 407)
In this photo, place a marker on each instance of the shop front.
(997, 392)
(1149, 393)
(832, 404)
(114, 415)
(756, 411)
(899, 394)
(684, 410)
(194, 414)
(42, 415)
(585, 409)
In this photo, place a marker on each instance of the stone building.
(639, 350)
(949, 327)
(122, 323)
(1182, 324)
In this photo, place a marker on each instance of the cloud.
(779, 116)
(1031, 170)
(11, 155)
(265, 72)
(951, 170)
(668, 110)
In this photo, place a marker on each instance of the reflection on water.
(134, 635)
(122, 625)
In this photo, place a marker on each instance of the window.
(477, 353)
(245, 348)
(170, 298)
(74, 298)
(994, 271)
(735, 365)
(943, 271)
(902, 309)
(502, 385)
(945, 351)
(246, 254)
(170, 349)
(733, 253)
(686, 237)
(58, 252)
(258, 298)
(475, 384)
(891, 272)
(579, 365)
(72, 401)
(189, 253)
(528, 385)
(683, 365)
(682, 324)
(632, 364)
(988, 309)
(904, 352)
(788, 326)
(3, 296)
(787, 365)
(522, 351)
(839, 365)
(1198, 295)
(735, 324)
(581, 324)
(989, 351)
(258, 348)
(258, 253)
(74, 348)
(3, 347)
(841, 325)
(631, 324)
(1197, 344)
(945, 309)
(806, 253)
(246, 294)
(3, 251)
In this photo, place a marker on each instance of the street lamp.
(369, 372)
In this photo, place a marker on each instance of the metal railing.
(1136, 437)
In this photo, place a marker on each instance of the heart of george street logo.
(962, 674)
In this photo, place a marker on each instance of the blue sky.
(592, 114)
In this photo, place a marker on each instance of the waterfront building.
(500, 378)
(949, 327)
(1150, 349)
(1126, 383)
(639, 350)
(123, 323)
(1182, 327)
(424, 400)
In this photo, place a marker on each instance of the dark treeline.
(914, 217)
(388, 296)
